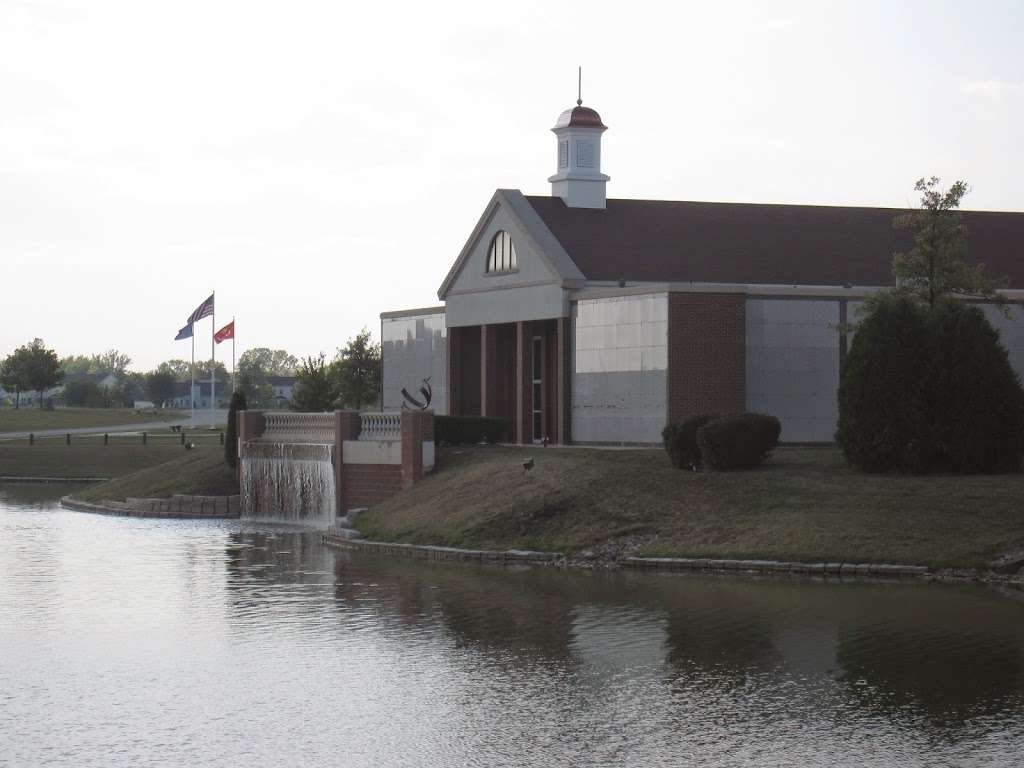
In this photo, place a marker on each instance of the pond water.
(128, 642)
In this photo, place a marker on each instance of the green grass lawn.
(59, 460)
(201, 471)
(27, 419)
(804, 504)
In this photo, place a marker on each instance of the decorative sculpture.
(426, 391)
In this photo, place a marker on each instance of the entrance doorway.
(538, 388)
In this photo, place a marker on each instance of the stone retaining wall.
(178, 506)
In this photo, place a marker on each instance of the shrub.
(470, 429)
(929, 390)
(680, 441)
(231, 437)
(738, 442)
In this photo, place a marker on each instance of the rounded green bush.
(738, 442)
(680, 441)
(929, 390)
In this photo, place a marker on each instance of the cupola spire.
(578, 179)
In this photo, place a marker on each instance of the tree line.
(351, 379)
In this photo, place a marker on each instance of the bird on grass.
(527, 465)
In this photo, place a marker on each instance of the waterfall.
(288, 482)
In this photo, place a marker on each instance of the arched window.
(502, 255)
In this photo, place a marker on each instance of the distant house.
(283, 388)
(101, 380)
(200, 395)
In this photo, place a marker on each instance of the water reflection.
(222, 642)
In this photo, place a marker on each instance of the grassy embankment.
(28, 419)
(201, 471)
(59, 460)
(804, 504)
(167, 466)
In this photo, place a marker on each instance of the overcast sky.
(320, 162)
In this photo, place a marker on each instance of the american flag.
(204, 310)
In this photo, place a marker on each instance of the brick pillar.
(707, 354)
(417, 426)
(249, 425)
(562, 381)
(346, 427)
(483, 370)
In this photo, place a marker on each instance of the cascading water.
(288, 482)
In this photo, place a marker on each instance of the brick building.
(593, 320)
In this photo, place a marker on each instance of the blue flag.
(184, 333)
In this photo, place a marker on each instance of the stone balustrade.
(380, 426)
(292, 427)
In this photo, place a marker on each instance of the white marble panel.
(414, 348)
(793, 365)
(620, 362)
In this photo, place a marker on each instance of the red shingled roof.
(663, 240)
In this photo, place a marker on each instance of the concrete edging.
(348, 538)
(337, 538)
(178, 507)
(842, 570)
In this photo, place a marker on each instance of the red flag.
(227, 332)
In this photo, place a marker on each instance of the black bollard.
(182, 437)
(106, 439)
(67, 439)
(222, 438)
(31, 438)
(143, 438)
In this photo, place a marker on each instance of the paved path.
(201, 419)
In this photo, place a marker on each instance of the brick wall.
(369, 484)
(707, 352)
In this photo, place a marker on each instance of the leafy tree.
(255, 365)
(202, 372)
(41, 367)
(316, 387)
(13, 374)
(180, 368)
(76, 365)
(111, 361)
(357, 369)
(161, 385)
(86, 394)
(936, 265)
(231, 437)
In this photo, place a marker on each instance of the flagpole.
(192, 381)
(213, 358)
(234, 385)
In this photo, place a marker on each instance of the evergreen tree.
(231, 437)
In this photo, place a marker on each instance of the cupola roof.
(580, 116)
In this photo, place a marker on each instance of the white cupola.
(579, 181)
